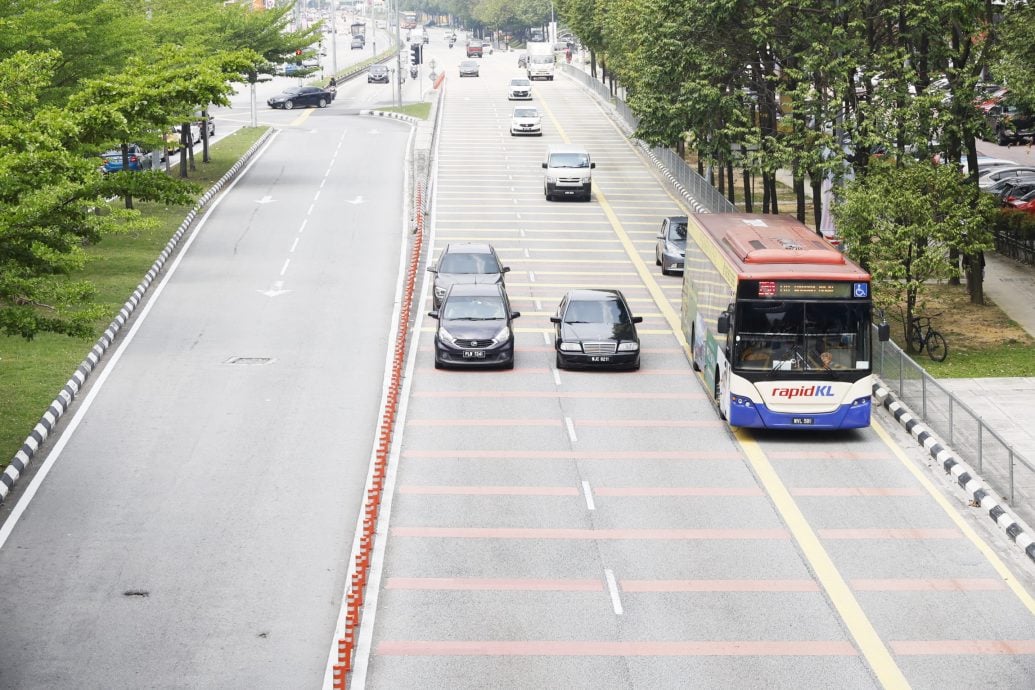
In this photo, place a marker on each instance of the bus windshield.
(801, 335)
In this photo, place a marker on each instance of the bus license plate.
(801, 420)
(474, 354)
(600, 359)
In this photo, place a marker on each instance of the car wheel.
(322, 103)
(657, 260)
(288, 105)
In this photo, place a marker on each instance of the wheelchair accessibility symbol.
(861, 290)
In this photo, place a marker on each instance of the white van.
(568, 173)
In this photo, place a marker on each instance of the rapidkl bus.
(778, 321)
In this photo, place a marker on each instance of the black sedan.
(594, 328)
(465, 262)
(474, 328)
(301, 96)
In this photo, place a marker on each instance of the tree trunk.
(799, 195)
(204, 137)
(729, 182)
(766, 193)
(125, 166)
(721, 176)
(817, 201)
(975, 277)
(747, 182)
(772, 193)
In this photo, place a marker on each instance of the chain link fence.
(999, 464)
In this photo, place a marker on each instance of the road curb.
(394, 116)
(23, 458)
(980, 494)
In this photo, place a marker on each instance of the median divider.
(360, 572)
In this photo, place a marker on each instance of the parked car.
(1005, 187)
(994, 175)
(301, 96)
(1009, 124)
(595, 328)
(670, 250)
(1025, 202)
(474, 49)
(468, 68)
(358, 43)
(466, 262)
(377, 74)
(1018, 191)
(138, 160)
(474, 327)
(526, 120)
(520, 90)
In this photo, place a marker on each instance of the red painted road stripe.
(490, 490)
(677, 491)
(483, 422)
(608, 648)
(494, 584)
(959, 647)
(577, 454)
(561, 533)
(827, 455)
(550, 348)
(719, 586)
(558, 394)
(855, 491)
(927, 585)
(880, 533)
(653, 423)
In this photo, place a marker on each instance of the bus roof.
(766, 246)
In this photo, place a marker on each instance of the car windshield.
(526, 112)
(596, 311)
(569, 160)
(378, 69)
(468, 64)
(472, 308)
(519, 82)
(677, 233)
(468, 263)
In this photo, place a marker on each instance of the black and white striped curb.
(63, 401)
(981, 494)
(394, 116)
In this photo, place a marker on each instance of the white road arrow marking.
(357, 200)
(276, 290)
(264, 200)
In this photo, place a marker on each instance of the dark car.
(377, 74)
(670, 251)
(358, 42)
(468, 68)
(474, 327)
(594, 328)
(138, 160)
(301, 96)
(1010, 124)
(474, 49)
(466, 262)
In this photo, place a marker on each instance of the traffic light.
(416, 54)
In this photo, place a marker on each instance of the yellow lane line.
(968, 531)
(862, 631)
(302, 117)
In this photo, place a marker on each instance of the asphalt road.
(585, 530)
(194, 526)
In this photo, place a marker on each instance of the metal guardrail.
(977, 444)
(696, 186)
(1017, 246)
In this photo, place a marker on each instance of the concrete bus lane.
(196, 521)
(581, 529)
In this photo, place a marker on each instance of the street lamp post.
(334, 38)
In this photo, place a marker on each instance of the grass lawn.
(418, 110)
(33, 372)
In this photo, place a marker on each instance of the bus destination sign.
(806, 289)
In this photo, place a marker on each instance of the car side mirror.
(723, 325)
(884, 332)
(515, 314)
(506, 269)
(555, 319)
(544, 165)
(592, 165)
(637, 319)
(433, 314)
(660, 236)
(432, 269)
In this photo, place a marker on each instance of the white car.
(526, 120)
(520, 90)
(993, 175)
(487, 47)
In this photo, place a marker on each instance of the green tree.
(903, 221)
(1015, 65)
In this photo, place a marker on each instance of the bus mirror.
(884, 332)
(724, 323)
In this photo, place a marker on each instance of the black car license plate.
(600, 359)
(474, 354)
(802, 420)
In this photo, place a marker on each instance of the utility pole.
(334, 39)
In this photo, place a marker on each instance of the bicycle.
(922, 336)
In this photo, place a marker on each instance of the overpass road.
(583, 530)
(196, 517)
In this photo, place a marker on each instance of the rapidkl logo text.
(804, 392)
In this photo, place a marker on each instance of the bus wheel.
(693, 358)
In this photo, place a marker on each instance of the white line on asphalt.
(539, 307)
(283, 269)
(589, 495)
(612, 586)
(317, 196)
(294, 245)
(571, 431)
(546, 335)
(63, 439)
(324, 180)
(522, 232)
(556, 375)
(531, 277)
(527, 255)
(310, 211)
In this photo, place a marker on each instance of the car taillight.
(132, 159)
